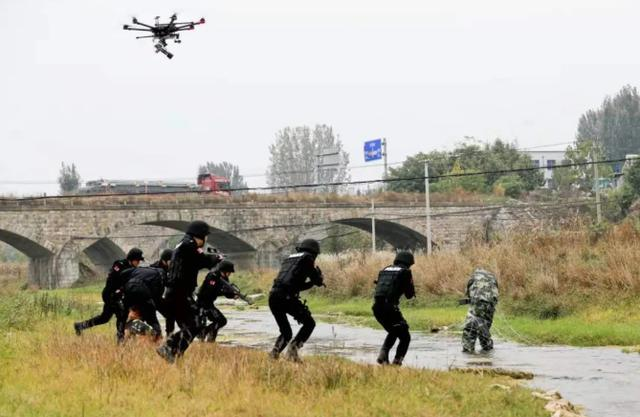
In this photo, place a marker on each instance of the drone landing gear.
(160, 48)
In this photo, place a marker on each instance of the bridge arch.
(25, 245)
(103, 252)
(397, 235)
(221, 239)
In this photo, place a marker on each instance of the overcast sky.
(75, 87)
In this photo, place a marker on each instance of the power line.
(338, 183)
(264, 174)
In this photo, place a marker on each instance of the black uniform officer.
(208, 292)
(112, 295)
(143, 293)
(188, 259)
(394, 281)
(163, 263)
(285, 297)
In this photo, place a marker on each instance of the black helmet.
(226, 266)
(135, 254)
(198, 229)
(309, 245)
(166, 255)
(404, 258)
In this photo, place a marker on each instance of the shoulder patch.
(296, 255)
(393, 268)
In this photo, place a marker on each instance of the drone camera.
(202, 20)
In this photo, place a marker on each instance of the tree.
(413, 167)
(227, 170)
(69, 179)
(468, 157)
(294, 157)
(615, 125)
(581, 177)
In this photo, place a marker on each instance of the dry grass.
(13, 272)
(574, 261)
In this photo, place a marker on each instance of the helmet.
(166, 255)
(226, 266)
(404, 258)
(198, 229)
(309, 245)
(135, 254)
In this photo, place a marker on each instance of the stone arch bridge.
(61, 238)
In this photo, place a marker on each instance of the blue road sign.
(373, 150)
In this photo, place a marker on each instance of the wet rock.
(557, 405)
(548, 396)
(502, 387)
(496, 372)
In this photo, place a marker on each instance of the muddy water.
(605, 381)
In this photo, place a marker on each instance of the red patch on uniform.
(116, 268)
(212, 282)
(200, 250)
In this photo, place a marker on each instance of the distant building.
(548, 159)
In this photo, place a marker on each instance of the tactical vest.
(287, 277)
(484, 287)
(389, 284)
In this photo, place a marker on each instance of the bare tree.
(294, 157)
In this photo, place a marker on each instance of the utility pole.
(373, 226)
(427, 205)
(384, 154)
(597, 183)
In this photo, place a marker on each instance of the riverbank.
(46, 370)
(616, 324)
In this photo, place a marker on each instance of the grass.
(595, 325)
(45, 370)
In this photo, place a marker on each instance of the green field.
(616, 324)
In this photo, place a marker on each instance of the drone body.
(161, 32)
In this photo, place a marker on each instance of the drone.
(161, 32)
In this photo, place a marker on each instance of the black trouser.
(390, 317)
(138, 298)
(281, 304)
(169, 321)
(112, 306)
(185, 312)
(218, 321)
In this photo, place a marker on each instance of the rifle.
(233, 289)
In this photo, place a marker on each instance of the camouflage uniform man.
(482, 295)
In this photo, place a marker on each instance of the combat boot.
(398, 361)
(292, 351)
(166, 353)
(274, 354)
(383, 356)
(78, 327)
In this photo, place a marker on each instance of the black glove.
(464, 301)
